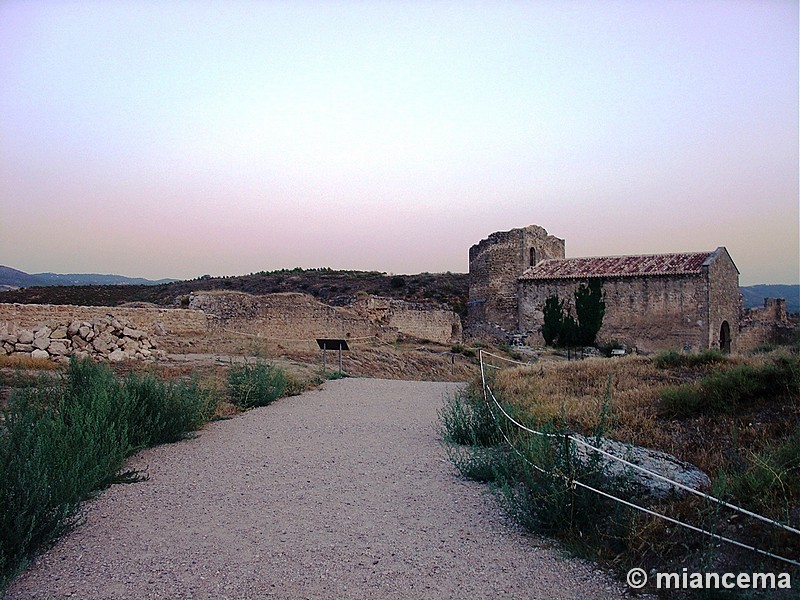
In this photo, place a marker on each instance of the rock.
(59, 333)
(57, 348)
(8, 347)
(159, 329)
(661, 463)
(43, 331)
(132, 333)
(79, 342)
(26, 348)
(73, 328)
(41, 343)
(117, 355)
(39, 354)
(25, 336)
(100, 345)
(116, 325)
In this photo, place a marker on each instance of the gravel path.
(343, 492)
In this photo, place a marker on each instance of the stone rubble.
(103, 338)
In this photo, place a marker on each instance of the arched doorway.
(725, 337)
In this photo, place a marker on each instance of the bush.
(675, 359)
(534, 487)
(62, 442)
(725, 390)
(470, 434)
(768, 481)
(466, 419)
(162, 412)
(258, 384)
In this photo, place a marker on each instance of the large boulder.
(663, 464)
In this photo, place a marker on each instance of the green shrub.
(533, 486)
(768, 479)
(257, 384)
(725, 390)
(674, 359)
(60, 443)
(466, 419)
(470, 434)
(161, 412)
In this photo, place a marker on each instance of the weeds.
(743, 429)
(673, 359)
(63, 441)
(256, 384)
(725, 391)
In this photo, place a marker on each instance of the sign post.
(326, 344)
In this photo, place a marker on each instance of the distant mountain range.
(12, 278)
(452, 287)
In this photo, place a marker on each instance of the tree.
(590, 308)
(553, 320)
(561, 329)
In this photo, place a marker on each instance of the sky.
(169, 138)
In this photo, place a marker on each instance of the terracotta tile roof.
(618, 266)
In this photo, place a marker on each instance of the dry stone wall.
(115, 334)
(298, 317)
(151, 319)
(106, 338)
(119, 333)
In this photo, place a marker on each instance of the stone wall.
(765, 325)
(285, 316)
(295, 316)
(724, 299)
(421, 321)
(151, 320)
(646, 313)
(495, 263)
(115, 334)
(105, 338)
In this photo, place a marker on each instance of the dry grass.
(28, 363)
(750, 452)
(573, 394)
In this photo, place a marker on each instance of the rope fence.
(488, 393)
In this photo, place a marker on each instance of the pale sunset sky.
(168, 138)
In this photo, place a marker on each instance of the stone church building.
(682, 301)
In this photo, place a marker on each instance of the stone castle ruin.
(683, 301)
(132, 333)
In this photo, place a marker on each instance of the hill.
(14, 278)
(327, 285)
(754, 295)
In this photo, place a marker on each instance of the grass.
(260, 383)
(64, 440)
(742, 428)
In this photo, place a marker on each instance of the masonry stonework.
(684, 301)
(495, 263)
(295, 316)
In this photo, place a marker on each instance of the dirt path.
(343, 492)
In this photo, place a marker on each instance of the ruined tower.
(495, 263)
